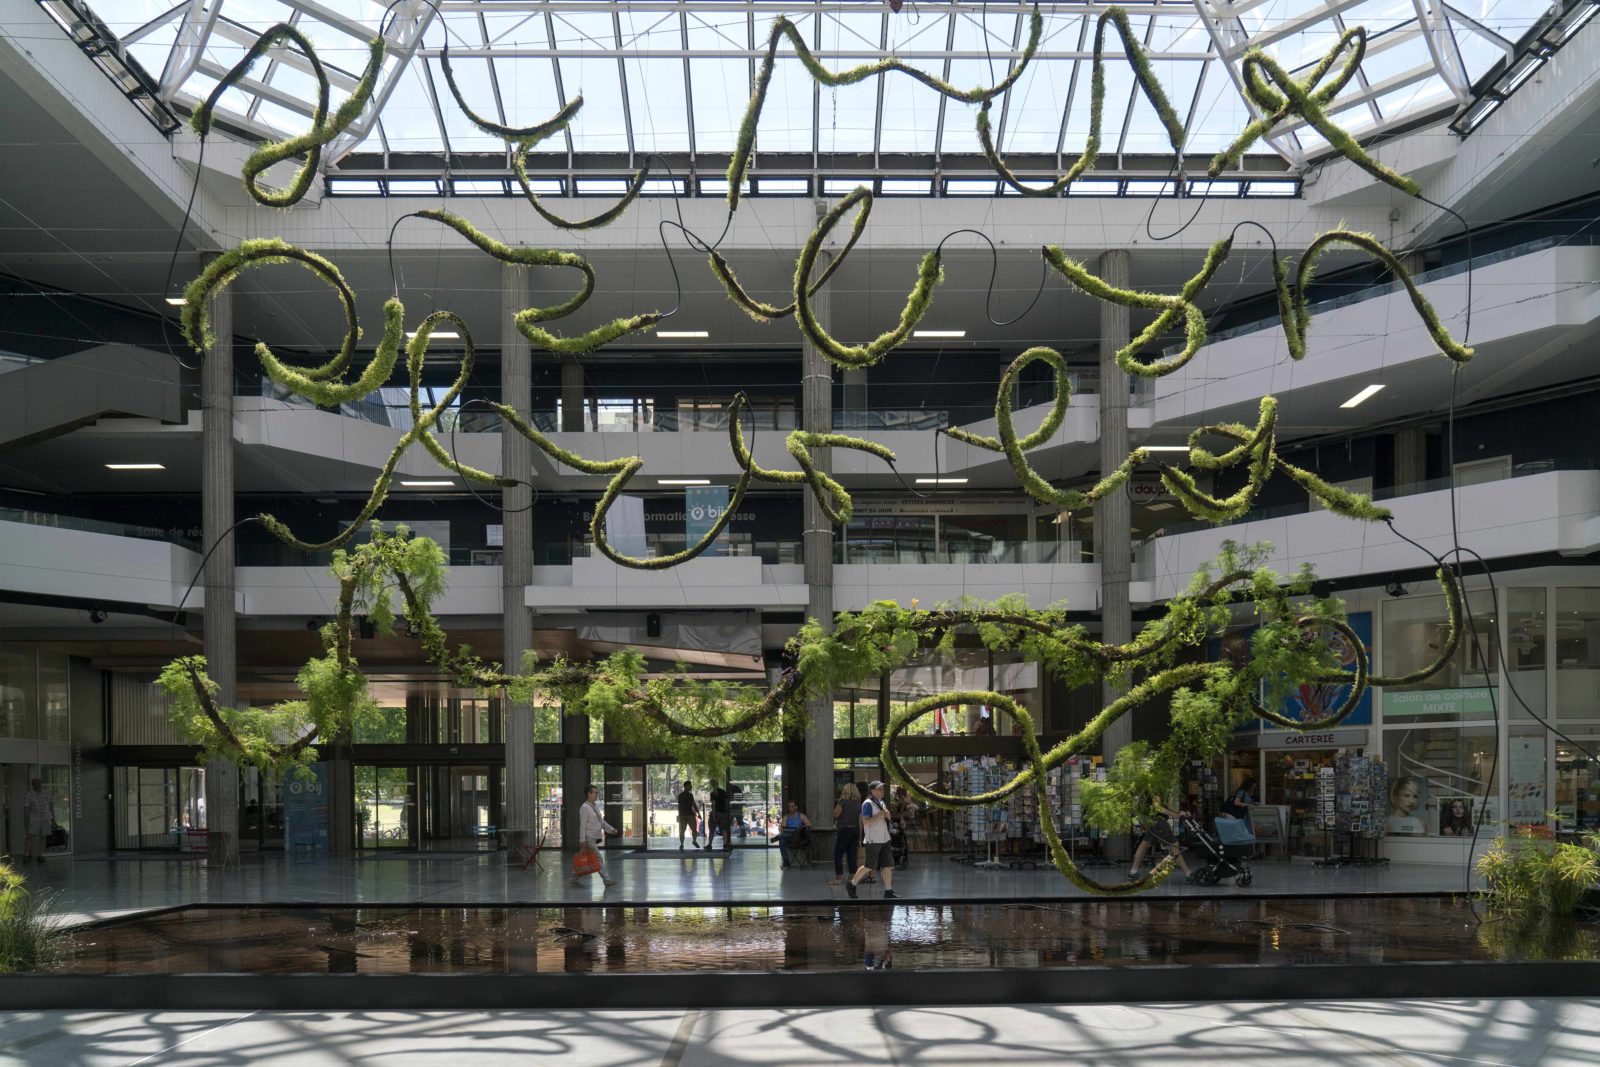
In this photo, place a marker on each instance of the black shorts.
(1159, 830)
(879, 855)
(686, 820)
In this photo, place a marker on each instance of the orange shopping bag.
(587, 861)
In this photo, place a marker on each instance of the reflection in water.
(510, 940)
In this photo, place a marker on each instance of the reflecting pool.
(812, 938)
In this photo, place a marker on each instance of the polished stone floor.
(97, 887)
(1479, 1033)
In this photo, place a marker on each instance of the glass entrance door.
(458, 806)
(157, 804)
(386, 806)
(663, 784)
(622, 802)
(756, 802)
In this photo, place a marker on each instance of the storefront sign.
(1467, 703)
(703, 505)
(1314, 739)
(962, 505)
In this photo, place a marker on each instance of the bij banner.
(703, 505)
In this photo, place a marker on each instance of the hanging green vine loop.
(1170, 308)
(764, 312)
(856, 357)
(1300, 323)
(537, 132)
(1290, 96)
(222, 271)
(783, 29)
(309, 143)
(523, 256)
(1144, 79)
(519, 167)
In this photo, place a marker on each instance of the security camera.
(1395, 588)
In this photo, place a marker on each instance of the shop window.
(1577, 637)
(1414, 632)
(1438, 778)
(54, 707)
(18, 694)
(1577, 787)
(1526, 647)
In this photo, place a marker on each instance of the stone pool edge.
(818, 989)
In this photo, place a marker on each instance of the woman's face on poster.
(1406, 798)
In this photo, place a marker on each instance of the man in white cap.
(875, 836)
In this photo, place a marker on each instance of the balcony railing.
(1433, 485)
(186, 537)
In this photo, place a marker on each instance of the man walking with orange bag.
(592, 830)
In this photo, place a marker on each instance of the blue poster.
(703, 505)
(305, 809)
(1312, 703)
(1308, 703)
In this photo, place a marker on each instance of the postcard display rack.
(1012, 826)
(1350, 810)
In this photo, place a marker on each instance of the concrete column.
(1112, 541)
(216, 520)
(571, 392)
(817, 416)
(516, 567)
(1410, 455)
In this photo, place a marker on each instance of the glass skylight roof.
(673, 76)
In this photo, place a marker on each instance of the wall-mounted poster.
(1527, 759)
(305, 809)
(1455, 817)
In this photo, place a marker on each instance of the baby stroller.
(899, 845)
(1223, 855)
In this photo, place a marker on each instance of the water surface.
(817, 938)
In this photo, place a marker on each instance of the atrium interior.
(1048, 498)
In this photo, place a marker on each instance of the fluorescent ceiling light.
(683, 481)
(1365, 394)
(440, 335)
(938, 333)
(682, 333)
(1161, 506)
(941, 481)
(1165, 448)
(136, 466)
(426, 483)
(175, 301)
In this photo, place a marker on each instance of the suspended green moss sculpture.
(856, 357)
(784, 30)
(1144, 79)
(309, 143)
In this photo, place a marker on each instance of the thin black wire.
(994, 273)
(389, 10)
(1180, 181)
(468, 481)
(172, 261)
(201, 569)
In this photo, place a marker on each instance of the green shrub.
(30, 937)
(1530, 876)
